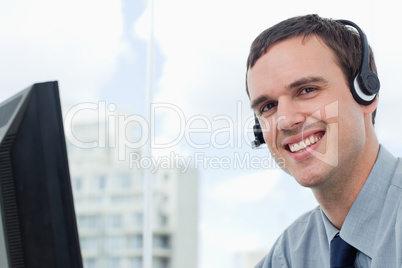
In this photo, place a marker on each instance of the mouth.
(302, 145)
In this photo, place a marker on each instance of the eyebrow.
(307, 80)
(296, 84)
(258, 101)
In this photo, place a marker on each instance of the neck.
(337, 198)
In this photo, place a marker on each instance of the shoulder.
(304, 230)
(311, 217)
(294, 242)
(397, 178)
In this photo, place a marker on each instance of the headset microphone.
(258, 137)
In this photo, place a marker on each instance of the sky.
(97, 50)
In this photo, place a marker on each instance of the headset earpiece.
(366, 84)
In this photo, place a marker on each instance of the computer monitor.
(38, 225)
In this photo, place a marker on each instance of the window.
(89, 222)
(114, 221)
(161, 263)
(166, 176)
(90, 263)
(89, 243)
(114, 262)
(115, 243)
(100, 182)
(135, 262)
(161, 241)
(77, 183)
(162, 220)
(123, 181)
(138, 219)
(135, 241)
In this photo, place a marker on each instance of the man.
(300, 80)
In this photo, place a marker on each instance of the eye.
(307, 90)
(268, 108)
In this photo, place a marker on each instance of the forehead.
(288, 61)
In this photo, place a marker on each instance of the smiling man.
(303, 82)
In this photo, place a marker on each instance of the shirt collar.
(329, 228)
(363, 217)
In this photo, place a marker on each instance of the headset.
(364, 87)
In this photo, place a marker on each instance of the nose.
(289, 115)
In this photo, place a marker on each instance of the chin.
(309, 179)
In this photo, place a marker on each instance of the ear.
(369, 109)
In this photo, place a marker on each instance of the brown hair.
(344, 41)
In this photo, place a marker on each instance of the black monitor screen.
(38, 225)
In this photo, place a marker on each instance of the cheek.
(351, 114)
(268, 139)
(269, 131)
(351, 125)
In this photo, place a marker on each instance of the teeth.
(296, 147)
(303, 144)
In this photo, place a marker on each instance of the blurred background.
(215, 202)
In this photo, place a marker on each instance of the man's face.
(304, 105)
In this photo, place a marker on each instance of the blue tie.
(342, 254)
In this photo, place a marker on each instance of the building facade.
(108, 187)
